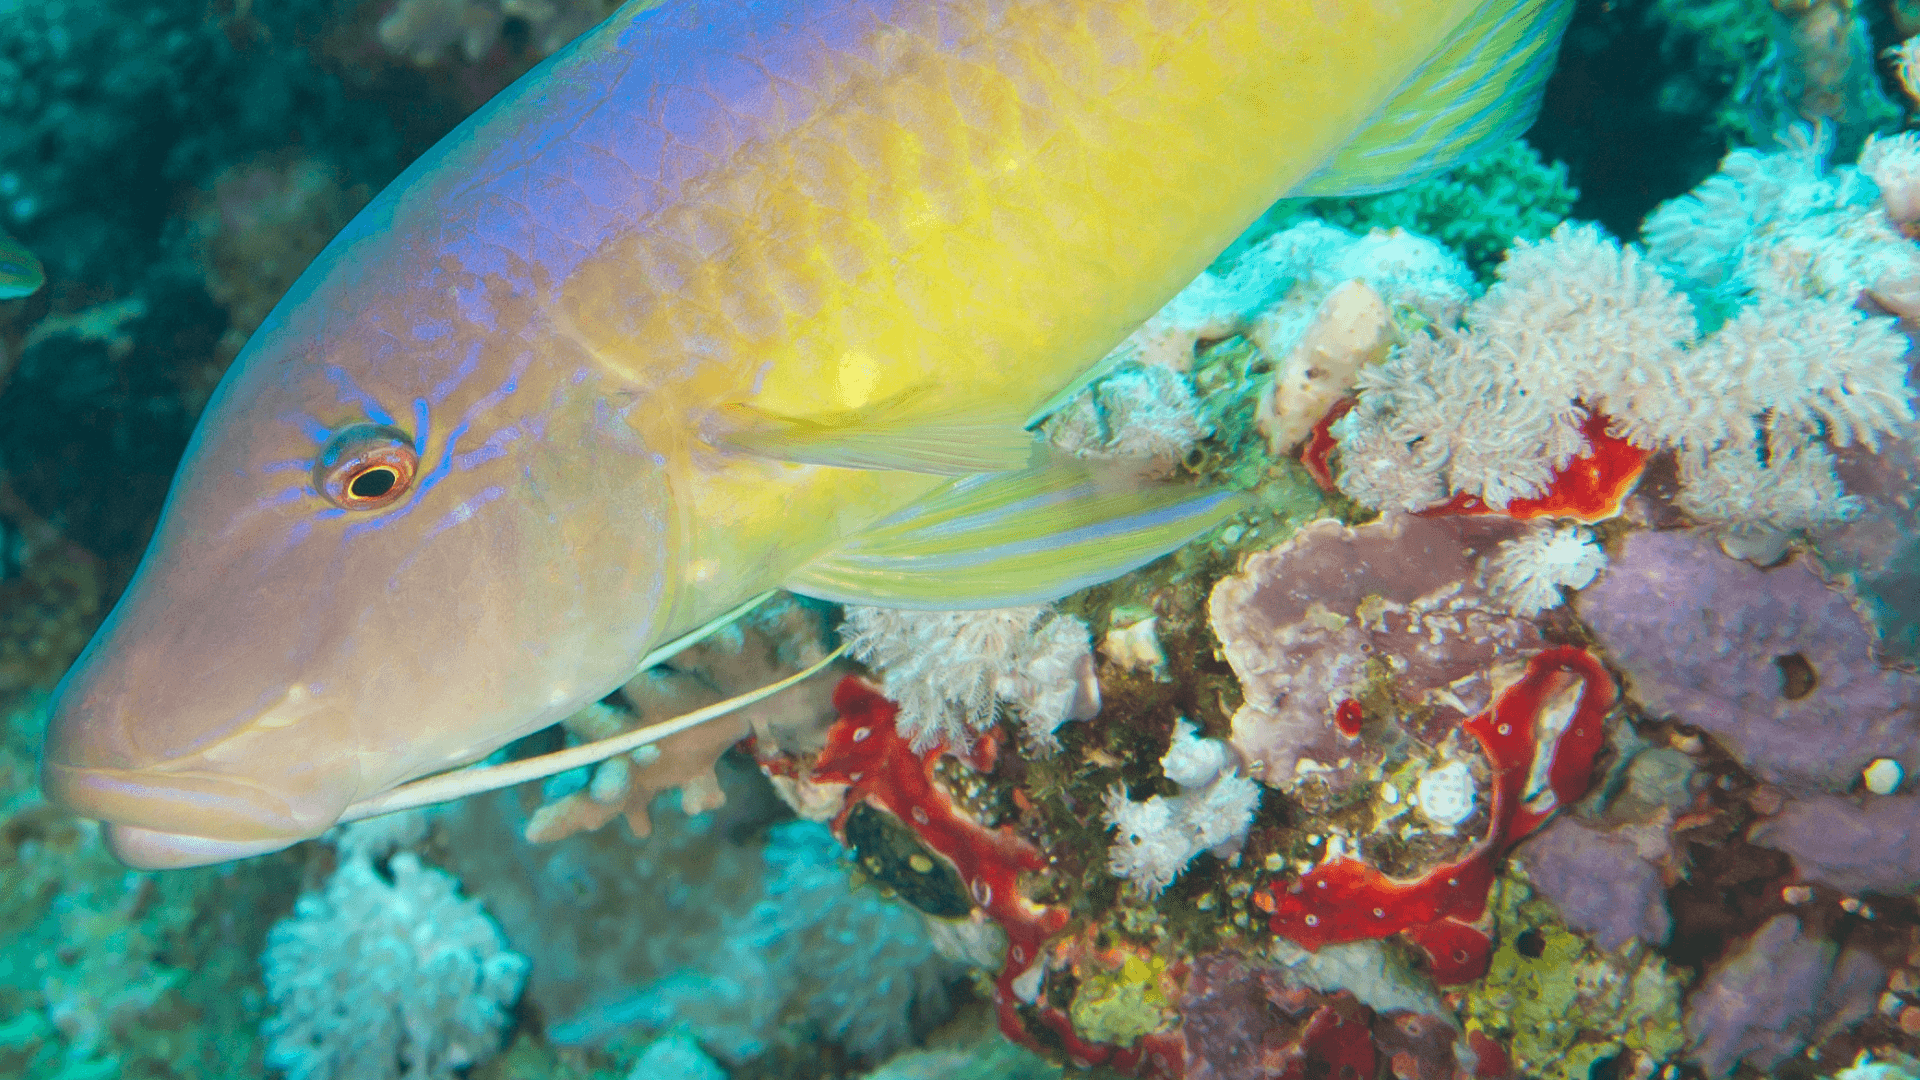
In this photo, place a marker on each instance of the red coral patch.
(1321, 445)
(1347, 900)
(1456, 953)
(865, 751)
(1591, 487)
(1349, 717)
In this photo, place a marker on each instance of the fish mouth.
(159, 820)
(147, 849)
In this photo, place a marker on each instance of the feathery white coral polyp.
(1157, 838)
(1894, 167)
(1575, 322)
(1579, 323)
(950, 671)
(387, 981)
(1527, 572)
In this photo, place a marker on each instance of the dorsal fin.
(1477, 92)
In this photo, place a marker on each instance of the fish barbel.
(724, 297)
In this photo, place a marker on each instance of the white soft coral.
(1527, 572)
(1156, 839)
(951, 671)
(387, 980)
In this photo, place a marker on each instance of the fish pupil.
(373, 483)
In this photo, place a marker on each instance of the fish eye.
(365, 467)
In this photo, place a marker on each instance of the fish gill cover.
(1547, 708)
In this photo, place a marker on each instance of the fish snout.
(174, 790)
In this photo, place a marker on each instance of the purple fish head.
(413, 524)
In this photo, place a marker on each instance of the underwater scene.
(959, 539)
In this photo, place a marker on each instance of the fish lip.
(149, 849)
(206, 806)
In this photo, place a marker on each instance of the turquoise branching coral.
(1476, 210)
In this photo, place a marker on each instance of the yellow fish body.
(723, 298)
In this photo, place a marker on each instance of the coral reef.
(1270, 292)
(857, 968)
(1599, 884)
(95, 413)
(1578, 327)
(1780, 991)
(1315, 621)
(1876, 552)
(1528, 572)
(1252, 1023)
(258, 226)
(110, 973)
(1856, 846)
(1475, 210)
(424, 31)
(1561, 1005)
(779, 637)
(1156, 839)
(676, 1057)
(1772, 63)
(1138, 413)
(1346, 787)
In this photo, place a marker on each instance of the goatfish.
(20, 272)
(723, 297)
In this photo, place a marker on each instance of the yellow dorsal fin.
(1478, 91)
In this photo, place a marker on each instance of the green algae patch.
(1559, 1004)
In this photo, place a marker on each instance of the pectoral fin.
(894, 434)
(1014, 538)
(1478, 91)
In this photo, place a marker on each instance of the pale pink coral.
(776, 640)
(1301, 624)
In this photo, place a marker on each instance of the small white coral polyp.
(378, 980)
(1894, 167)
(1159, 837)
(1528, 571)
(951, 671)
